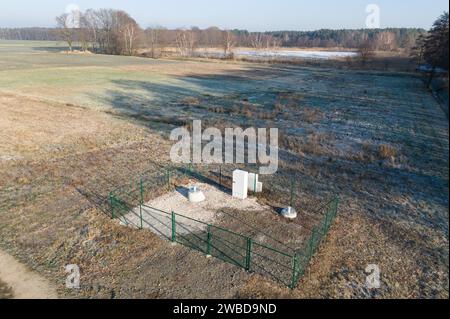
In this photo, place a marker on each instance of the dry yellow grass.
(31, 129)
(386, 151)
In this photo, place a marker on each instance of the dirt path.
(24, 283)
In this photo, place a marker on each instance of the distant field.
(73, 126)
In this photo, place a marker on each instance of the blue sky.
(254, 15)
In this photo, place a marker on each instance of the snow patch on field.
(324, 55)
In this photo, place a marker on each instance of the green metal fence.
(285, 265)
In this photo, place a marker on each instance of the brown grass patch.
(190, 100)
(310, 115)
(370, 153)
(260, 288)
(313, 144)
(386, 151)
(31, 129)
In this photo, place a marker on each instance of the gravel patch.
(157, 213)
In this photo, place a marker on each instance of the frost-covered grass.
(377, 139)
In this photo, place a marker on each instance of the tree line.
(383, 39)
(32, 34)
(388, 39)
(116, 32)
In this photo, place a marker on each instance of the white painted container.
(195, 195)
(289, 213)
(240, 184)
(259, 186)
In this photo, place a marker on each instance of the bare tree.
(386, 41)
(83, 33)
(228, 42)
(129, 30)
(114, 32)
(101, 25)
(185, 41)
(110, 39)
(130, 33)
(264, 41)
(276, 43)
(365, 51)
(153, 40)
(65, 29)
(271, 42)
(91, 23)
(257, 40)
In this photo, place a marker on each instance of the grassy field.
(74, 126)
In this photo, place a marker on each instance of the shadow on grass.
(56, 49)
(162, 106)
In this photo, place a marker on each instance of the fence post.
(141, 201)
(336, 205)
(248, 257)
(140, 216)
(291, 200)
(312, 243)
(168, 177)
(174, 228)
(208, 241)
(141, 188)
(294, 271)
(111, 199)
(326, 221)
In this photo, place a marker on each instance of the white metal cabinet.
(240, 184)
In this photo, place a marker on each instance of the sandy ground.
(24, 283)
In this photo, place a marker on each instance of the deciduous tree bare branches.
(228, 42)
(65, 29)
(186, 42)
